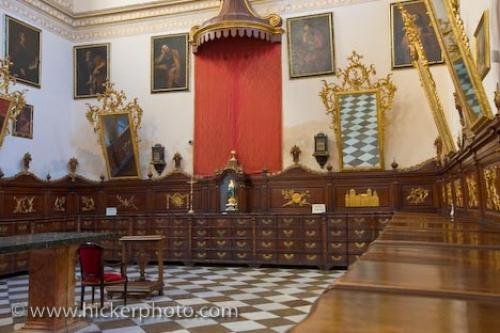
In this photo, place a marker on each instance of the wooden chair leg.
(93, 292)
(125, 293)
(82, 294)
(102, 296)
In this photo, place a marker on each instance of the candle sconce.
(321, 149)
(158, 152)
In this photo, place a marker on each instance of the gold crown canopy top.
(236, 18)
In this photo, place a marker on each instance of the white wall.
(92, 5)
(169, 118)
(51, 145)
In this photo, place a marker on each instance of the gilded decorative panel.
(491, 181)
(459, 195)
(472, 191)
(449, 194)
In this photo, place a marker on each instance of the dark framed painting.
(169, 63)
(483, 48)
(311, 49)
(401, 57)
(23, 50)
(22, 126)
(91, 69)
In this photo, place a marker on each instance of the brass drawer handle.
(241, 222)
(221, 232)
(178, 243)
(201, 244)
(158, 231)
(287, 221)
(288, 233)
(336, 233)
(289, 256)
(312, 257)
(201, 232)
(241, 233)
(141, 222)
(267, 256)
(267, 233)
(267, 222)
(336, 245)
(310, 233)
(21, 263)
(178, 233)
(241, 244)
(336, 258)
(288, 244)
(310, 245)
(360, 245)
(384, 221)
(241, 255)
(141, 233)
(266, 245)
(178, 254)
(201, 222)
(336, 221)
(359, 220)
(221, 243)
(310, 222)
(201, 255)
(221, 254)
(177, 222)
(359, 233)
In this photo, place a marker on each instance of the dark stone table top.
(30, 242)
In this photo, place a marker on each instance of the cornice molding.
(58, 17)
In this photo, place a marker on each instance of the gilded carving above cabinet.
(368, 199)
(459, 195)
(88, 204)
(295, 198)
(177, 200)
(126, 203)
(472, 191)
(24, 205)
(491, 182)
(417, 196)
(60, 204)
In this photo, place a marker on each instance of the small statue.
(72, 166)
(232, 202)
(177, 161)
(295, 151)
(439, 150)
(26, 162)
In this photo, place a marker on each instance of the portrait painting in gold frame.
(482, 43)
(401, 57)
(90, 69)
(170, 63)
(22, 127)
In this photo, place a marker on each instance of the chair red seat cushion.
(108, 277)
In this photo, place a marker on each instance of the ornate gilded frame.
(483, 25)
(18, 134)
(420, 62)
(113, 104)
(356, 81)
(454, 42)
(15, 99)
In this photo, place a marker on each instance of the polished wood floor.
(425, 273)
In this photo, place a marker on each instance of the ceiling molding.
(156, 16)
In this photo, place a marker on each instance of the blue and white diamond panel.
(360, 131)
(467, 87)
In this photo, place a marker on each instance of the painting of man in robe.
(170, 63)
(401, 57)
(310, 46)
(23, 50)
(23, 124)
(91, 70)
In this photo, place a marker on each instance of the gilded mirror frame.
(455, 33)
(113, 104)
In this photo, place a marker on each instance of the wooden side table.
(142, 286)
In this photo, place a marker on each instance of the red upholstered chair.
(92, 272)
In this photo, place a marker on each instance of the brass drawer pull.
(311, 233)
(312, 257)
(288, 233)
(359, 233)
(267, 233)
(336, 221)
(201, 255)
(360, 245)
(241, 244)
(384, 221)
(241, 233)
(267, 222)
(201, 232)
(178, 243)
(336, 233)
(241, 255)
(336, 245)
(336, 258)
(310, 222)
(310, 245)
(21, 263)
(241, 222)
(221, 243)
(221, 233)
(178, 254)
(266, 245)
(287, 221)
(178, 222)
(221, 254)
(178, 233)
(201, 222)
(267, 256)
(201, 244)
(158, 231)
(288, 244)
(359, 220)
(289, 256)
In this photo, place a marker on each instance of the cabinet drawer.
(243, 256)
(357, 247)
(266, 222)
(337, 260)
(266, 233)
(243, 233)
(267, 257)
(243, 244)
(266, 245)
(337, 247)
(312, 246)
(291, 245)
(290, 258)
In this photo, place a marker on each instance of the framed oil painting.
(311, 49)
(22, 126)
(360, 138)
(91, 69)
(23, 50)
(401, 57)
(483, 50)
(120, 145)
(169, 63)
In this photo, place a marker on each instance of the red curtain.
(238, 105)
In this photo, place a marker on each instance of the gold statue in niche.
(232, 202)
(472, 191)
(368, 199)
(492, 197)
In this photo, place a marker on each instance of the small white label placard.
(111, 211)
(318, 208)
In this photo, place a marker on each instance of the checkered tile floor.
(267, 299)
